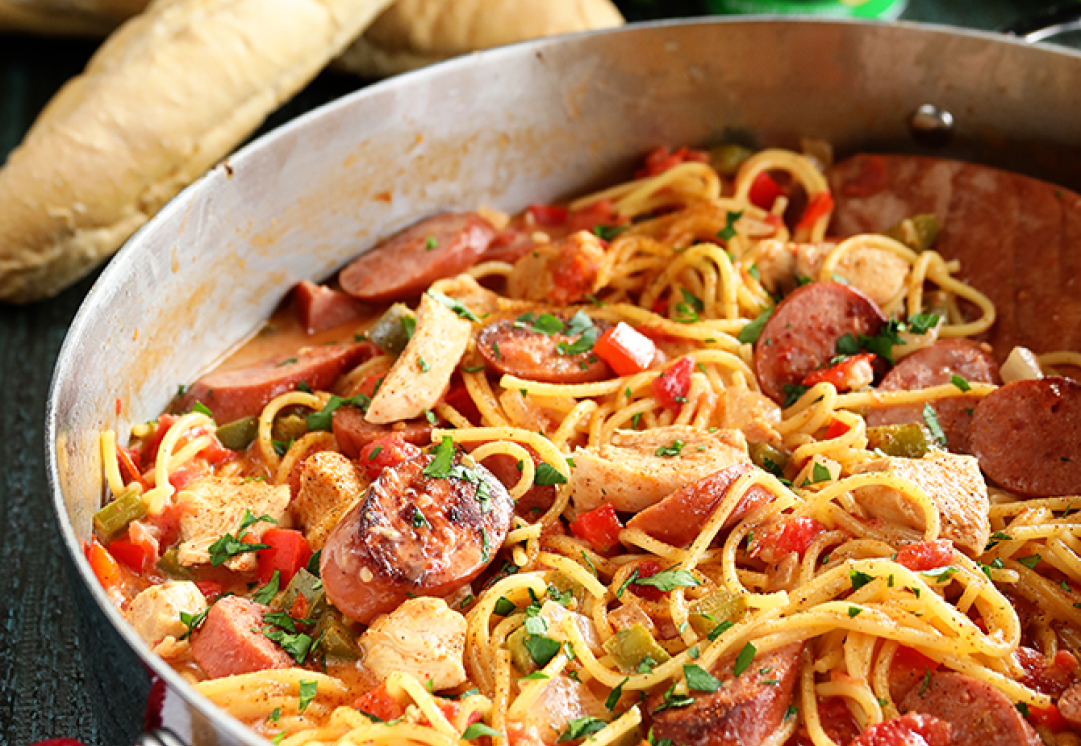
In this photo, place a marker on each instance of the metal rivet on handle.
(931, 126)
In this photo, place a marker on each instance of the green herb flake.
(476, 730)
(541, 649)
(546, 474)
(308, 690)
(615, 694)
(743, 660)
(267, 593)
(453, 305)
(669, 580)
(192, 621)
(580, 728)
(1031, 561)
(440, 465)
(960, 382)
(729, 231)
(671, 450)
(202, 409)
(430, 243)
(700, 680)
(859, 579)
(931, 418)
(750, 333)
(854, 611)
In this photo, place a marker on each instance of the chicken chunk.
(954, 483)
(214, 506)
(561, 701)
(421, 374)
(155, 612)
(554, 614)
(424, 638)
(329, 486)
(753, 414)
(879, 274)
(638, 469)
(562, 273)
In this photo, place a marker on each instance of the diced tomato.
(646, 569)
(548, 215)
(626, 349)
(660, 159)
(600, 527)
(132, 555)
(216, 453)
(149, 451)
(1049, 717)
(836, 429)
(819, 207)
(906, 730)
(1044, 676)
(851, 373)
(837, 719)
(380, 703)
(451, 710)
(765, 191)
(389, 450)
(459, 398)
(909, 669)
(785, 537)
(289, 551)
(601, 212)
(167, 523)
(209, 588)
(914, 659)
(1066, 660)
(671, 387)
(870, 180)
(105, 567)
(186, 474)
(660, 306)
(921, 556)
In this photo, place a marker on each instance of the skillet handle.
(158, 737)
(1058, 19)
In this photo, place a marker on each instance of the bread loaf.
(414, 33)
(166, 97)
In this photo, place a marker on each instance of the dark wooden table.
(45, 689)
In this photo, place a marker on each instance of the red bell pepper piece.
(380, 703)
(784, 537)
(600, 527)
(926, 555)
(820, 206)
(289, 551)
(548, 215)
(648, 568)
(389, 450)
(131, 554)
(104, 565)
(835, 430)
(209, 588)
(671, 387)
(765, 191)
(626, 349)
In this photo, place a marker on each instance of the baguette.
(164, 98)
(414, 33)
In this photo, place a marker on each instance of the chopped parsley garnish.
(419, 521)
(430, 243)
(313, 563)
(409, 325)
(859, 579)
(608, 232)
(820, 473)
(847, 345)
(793, 392)
(960, 382)
(504, 606)
(615, 694)
(250, 520)
(422, 365)
(274, 715)
(926, 681)
(1022, 707)
(265, 594)
(229, 546)
(700, 680)
(646, 665)
(308, 690)
(323, 419)
(476, 730)
(743, 660)
(729, 230)
(854, 611)
(922, 323)
(688, 309)
(453, 305)
(202, 409)
(545, 324)
(941, 574)
(496, 352)
(472, 368)
(580, 728)
(996, 538)
(1031, 561)
(535, 676)
(672, 700)
(374, 453)
(287, 361)
(750, 333)
(440, 466)
(931, 418)
(580, 326)
(671, 450)
(541, 649)
(548, 474)
(192, 621)
(669, 580)
(720, 629)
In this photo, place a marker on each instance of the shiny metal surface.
(531, 123)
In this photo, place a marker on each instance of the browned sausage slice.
(410, 261)
(992, 221)
(230, 642)
(1027, 436)
(244, 392)
(414, 535)
(933, 366)
(513, 347)
(678, 518)
(801, 334)
(744, 711)
(1069, 705)
(353, 432)
(319, 308)
(978, 714)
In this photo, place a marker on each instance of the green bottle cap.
(882, 9)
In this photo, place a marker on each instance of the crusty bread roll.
(67, 17)
(167, 96)
(414, 33)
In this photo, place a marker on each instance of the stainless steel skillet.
(531, 123)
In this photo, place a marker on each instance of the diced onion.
(1021, 365)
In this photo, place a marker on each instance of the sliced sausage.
(934, 366)
(410, 261)
(744, 711)
(319, 308)
(678, 518)
(978, 714)
(911, 729)
(801, 334)
(1027, 436)
(513, 347)
(993, 222)
(244, 392)
(414, 535)
(537, 498)
(1069, 705)
(230, 640)
(353, 432)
